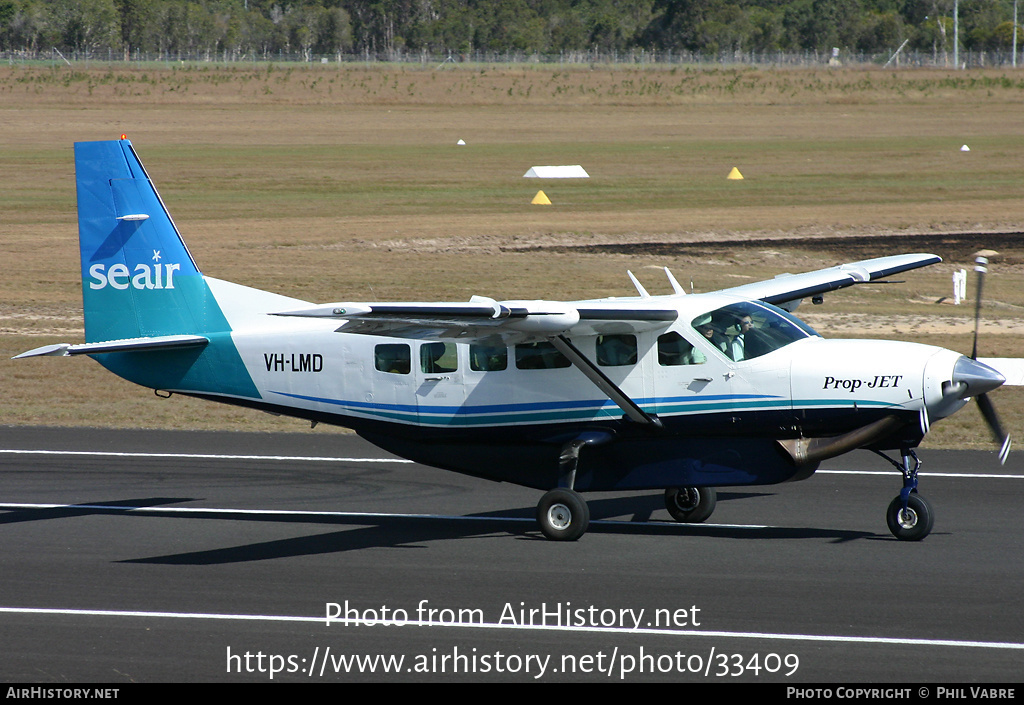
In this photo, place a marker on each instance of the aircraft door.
(692, 381)
(440, 389)
(391, 392)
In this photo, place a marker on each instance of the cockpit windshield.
(750, 329)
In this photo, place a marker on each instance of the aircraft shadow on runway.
(398, 531)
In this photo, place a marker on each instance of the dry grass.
(330, 183)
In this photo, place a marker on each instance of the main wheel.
(690, 505)
(563, 515)
(913, 523)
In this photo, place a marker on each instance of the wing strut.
(601, 381)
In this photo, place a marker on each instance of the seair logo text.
(145, 276)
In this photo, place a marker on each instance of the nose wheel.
(910, 516)
(911, 522)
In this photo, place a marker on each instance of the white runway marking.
(354, 515)
(834, 638)
(891, 473)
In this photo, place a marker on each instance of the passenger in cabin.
(706, 327)
(616, 350)
(433, 360)
(674, 349)
(393, 358)
(539, 356)
(488, 358)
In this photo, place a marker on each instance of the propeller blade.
(981, 267)
(988, 411)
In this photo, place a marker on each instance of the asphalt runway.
(134, 557)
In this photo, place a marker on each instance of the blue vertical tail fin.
(138, 277)
(150, 315)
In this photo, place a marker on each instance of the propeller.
(988, 410)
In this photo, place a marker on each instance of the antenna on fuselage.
(675, 285)
(639, 287)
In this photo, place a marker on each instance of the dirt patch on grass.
(862, 245)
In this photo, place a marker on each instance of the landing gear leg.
(562, 513)
(910, 517)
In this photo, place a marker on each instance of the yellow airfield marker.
(541, 199)
(735, 175)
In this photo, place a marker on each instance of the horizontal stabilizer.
(163, 342)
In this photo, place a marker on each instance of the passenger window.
(673, 349)
(487, 358)
(540, 356)
(394, 358)
(616, 350)
(438, 357)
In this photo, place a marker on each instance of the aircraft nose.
(971, 378)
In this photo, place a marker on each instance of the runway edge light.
(735, 175)
(541, 199)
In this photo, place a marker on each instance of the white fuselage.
(305, 365)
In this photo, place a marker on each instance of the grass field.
(330, 183)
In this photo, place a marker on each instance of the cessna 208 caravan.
(687, 392)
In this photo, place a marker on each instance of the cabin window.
(488, 358)
(750, 329)
(438, 357)
(616, 350)
(674, 349)
(393, 358)
(540, 356)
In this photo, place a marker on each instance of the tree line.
(255, 29)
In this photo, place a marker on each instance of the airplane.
(680, 392)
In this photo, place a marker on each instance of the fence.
(807, 59)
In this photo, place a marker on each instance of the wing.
(509, 322)
(786, 290)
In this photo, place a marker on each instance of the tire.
(690, 505)
(915, 523)
(563, 515)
